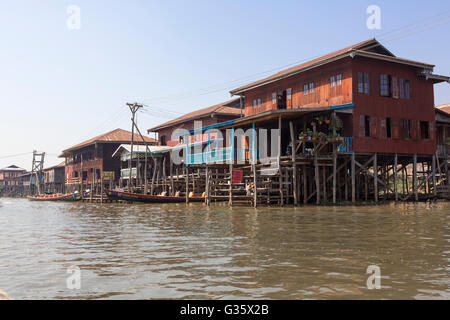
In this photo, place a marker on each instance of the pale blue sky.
(59, 87)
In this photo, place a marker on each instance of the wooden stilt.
(316, 174)
(334, 173)
(375, 177)
(187, 184)
(294, 166)
(279, 163)
(396, 177)
(324, 183)
(433, 168)
(353, 178)
(305, 185)
(416, 193)
(172, 191)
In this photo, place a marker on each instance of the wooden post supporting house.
(305, 185)
(334, 172)
(375, 177)
(396, 177)
(187, 184)
(433, 170)
(254, 161)
(230, 199)
(279, 163)
(172, 191)
(294, 165)
(415, 189)
(353, 178)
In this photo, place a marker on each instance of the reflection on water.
(179, 251)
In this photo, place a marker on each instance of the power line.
(227, 85)
(16, 155)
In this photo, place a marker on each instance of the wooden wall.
(420, 107)
(324, 95)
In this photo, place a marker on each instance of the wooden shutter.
(373, 127)
(289, 98)
(361, 126)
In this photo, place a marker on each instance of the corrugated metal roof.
(221, 108)
(140, 149)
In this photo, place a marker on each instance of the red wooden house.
(90, 162)
(389, 101)
(349, 123)
(208, 116)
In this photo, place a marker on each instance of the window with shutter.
(394, 87)
(360, 82)
(289, 98)
(366, 83)
(402, 88)
(384, 85)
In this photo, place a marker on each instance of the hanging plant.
(336, 124)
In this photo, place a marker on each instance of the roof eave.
(393, 59)
(315, 65)
(155, 129)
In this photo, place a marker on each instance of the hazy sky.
(60, 86)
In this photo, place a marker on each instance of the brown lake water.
(192, 252)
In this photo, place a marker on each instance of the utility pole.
(134, 107)
(37, 168)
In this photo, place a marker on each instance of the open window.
(424, 130)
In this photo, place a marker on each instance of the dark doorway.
(281, 100)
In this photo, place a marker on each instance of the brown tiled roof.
(115, 136)
(444, 107)
(221, 108)
(368, 47)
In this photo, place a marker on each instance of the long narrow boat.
(135, 197)
(55, 197)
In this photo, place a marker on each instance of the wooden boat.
(56, 197)
(135, 197)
